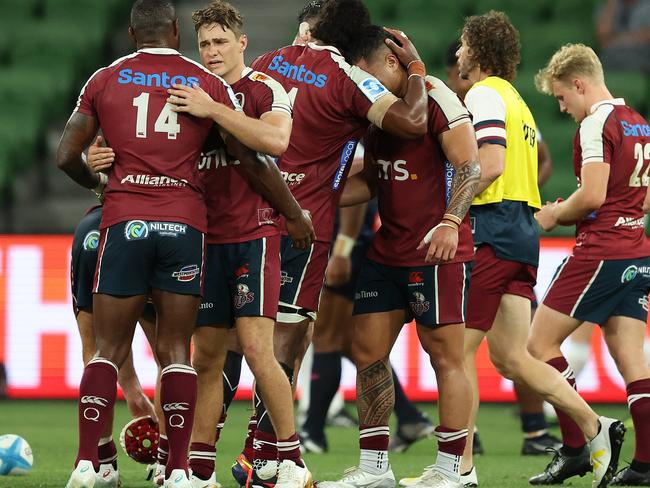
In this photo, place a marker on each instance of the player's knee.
(508, 365)
(444, 364)
(535, 348)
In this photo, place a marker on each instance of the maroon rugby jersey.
(414, 184)
(331, 100)
(154, 176)
(236, 213)
(617, 135)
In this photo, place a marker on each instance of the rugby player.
(157, 236)
(243, 281)
(507, 238)
(82, 272)
(403, 276)
(333, 103)
(606, 279)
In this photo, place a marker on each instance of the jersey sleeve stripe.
(490, 123)
(498, 132)
(492, 140)
(463, 119)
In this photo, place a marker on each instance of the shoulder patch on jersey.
(373, 89)
(257, 76)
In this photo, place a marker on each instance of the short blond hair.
(570, 60)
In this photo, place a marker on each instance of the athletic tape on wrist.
(343, 246)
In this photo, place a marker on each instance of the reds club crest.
(244, 296)
(420, 305)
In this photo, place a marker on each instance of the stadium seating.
(47, 47)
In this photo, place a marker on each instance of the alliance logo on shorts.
(420, 305)
(135, 230)
(186, 273)
(91, 241)
(244, 296)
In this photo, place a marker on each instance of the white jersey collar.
(167, 51)
(321, 47)
(613, 101)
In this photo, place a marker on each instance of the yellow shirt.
(501, 116)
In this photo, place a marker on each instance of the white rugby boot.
(290, 475)
(604, 450)
(156, 474)
(107, 477)
(83, 476)
(209, 483)
(178, 479)
(432, 478)
(468, 480)
(356, 477)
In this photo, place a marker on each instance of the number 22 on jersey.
(166, 121)
(642, 156)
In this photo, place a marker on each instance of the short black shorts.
(84, 259)
(138, 255)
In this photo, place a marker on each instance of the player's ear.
(391, 61)
(579, 85)
(243, 42)
(132, 35)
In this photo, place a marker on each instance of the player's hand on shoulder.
(301, 230)
(100, 157)
(404, 49)
(192, 100)
(339, 271)
(443, 243)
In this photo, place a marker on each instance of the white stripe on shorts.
(591, 281)
(101, 258)
(304, 271)
(262, 265)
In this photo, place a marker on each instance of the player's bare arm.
(459, 145)
(339, 268)
(362, 187)
(591, 194)
(404, 117)
(269, 135)
(545, 164)
(77, 136)
(265, 178)
(493, 162)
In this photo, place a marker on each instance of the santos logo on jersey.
(298, 73)
(155, 79)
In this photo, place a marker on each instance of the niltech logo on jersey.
(373, 89)
(186, 273)
(135, 230)
(297, 73)
(128, 76)
(91, 241)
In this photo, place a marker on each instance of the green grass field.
(50, 428)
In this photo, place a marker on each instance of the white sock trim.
(178, 368)
(99, 360)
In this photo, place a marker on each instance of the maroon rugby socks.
(373, 441)
(638, 400)
(178, 399)
(96, 400)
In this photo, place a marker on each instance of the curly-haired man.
(506, 235)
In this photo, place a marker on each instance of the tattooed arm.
(375, 393)
(459, 145)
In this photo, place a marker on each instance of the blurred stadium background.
(48, 48)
